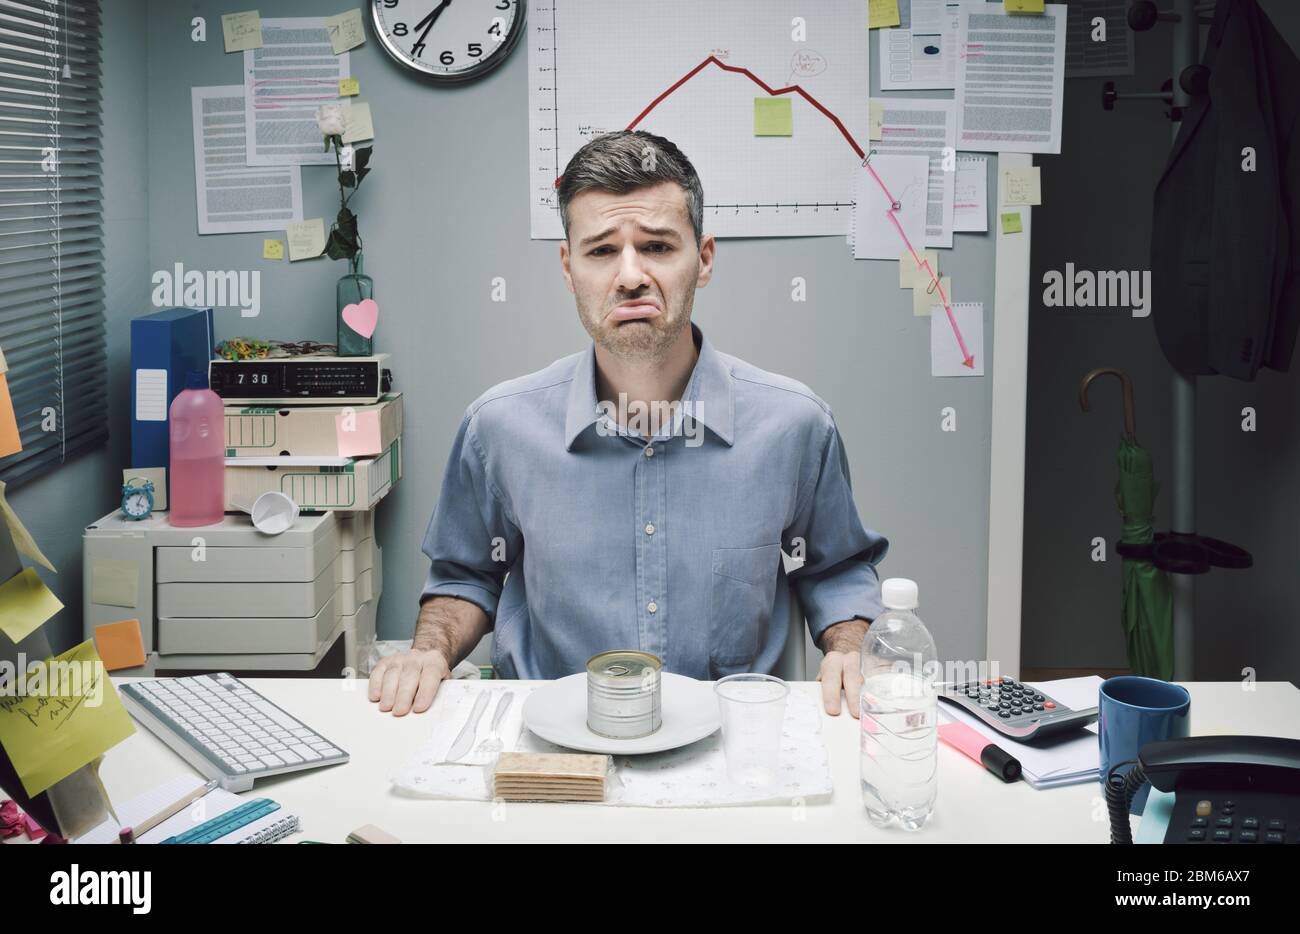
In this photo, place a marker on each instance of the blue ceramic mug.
(1133, 711)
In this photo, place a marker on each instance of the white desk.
(973, 806)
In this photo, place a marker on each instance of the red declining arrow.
(968, 359)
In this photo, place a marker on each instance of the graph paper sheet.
(690, 72)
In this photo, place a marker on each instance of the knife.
(466, 738)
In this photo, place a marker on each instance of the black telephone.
(1227, 789)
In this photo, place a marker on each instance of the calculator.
(1015, 710)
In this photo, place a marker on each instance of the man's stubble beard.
(640, 340)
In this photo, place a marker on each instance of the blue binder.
(164, 346)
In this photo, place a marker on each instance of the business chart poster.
(702, 75)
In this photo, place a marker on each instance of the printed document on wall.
(921, 52)
(293, 73)
(881, 230)
(234, 197)
(922, 127)
(970, 197)
(1088, 52)
(1010, 79)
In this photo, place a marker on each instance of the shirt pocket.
(740, 605)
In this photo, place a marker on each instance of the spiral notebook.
(266, 829)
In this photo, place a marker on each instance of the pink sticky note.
(358, 434)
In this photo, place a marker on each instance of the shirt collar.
(709, 392)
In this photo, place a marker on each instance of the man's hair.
(625, 160)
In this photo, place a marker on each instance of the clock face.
(137, 504)
(449, 40)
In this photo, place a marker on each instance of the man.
(640, 492)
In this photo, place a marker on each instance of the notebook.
(266, 829)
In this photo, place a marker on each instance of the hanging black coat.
(1225, 245)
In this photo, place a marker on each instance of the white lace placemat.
(692, 776)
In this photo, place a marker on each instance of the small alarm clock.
(137, 498)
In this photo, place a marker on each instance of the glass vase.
(352, 289)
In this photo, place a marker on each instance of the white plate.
(557, 712)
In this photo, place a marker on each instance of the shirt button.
(652, 607)
(649, 528)
(649, 450)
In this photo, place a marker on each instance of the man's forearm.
(450, 626)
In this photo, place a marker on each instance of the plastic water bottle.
(898, 712)
(197, 475)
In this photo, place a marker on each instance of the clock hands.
(426, 24)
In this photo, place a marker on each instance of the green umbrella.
(1148, 606)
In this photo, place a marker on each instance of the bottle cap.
(898, 593)
(196, 379)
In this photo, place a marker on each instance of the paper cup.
(273, 513)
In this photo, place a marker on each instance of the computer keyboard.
(227, 730)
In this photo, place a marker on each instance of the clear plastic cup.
(752, 708)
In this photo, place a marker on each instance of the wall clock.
(449, 41)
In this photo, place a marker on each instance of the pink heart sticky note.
(362, 317)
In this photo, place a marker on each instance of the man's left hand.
(841, 667)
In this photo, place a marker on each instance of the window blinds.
(51, 262)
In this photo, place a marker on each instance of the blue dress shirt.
(670, 545)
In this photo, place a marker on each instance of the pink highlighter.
(976, 745)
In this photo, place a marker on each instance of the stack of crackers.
(550, 776)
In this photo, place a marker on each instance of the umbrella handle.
(1130, 420)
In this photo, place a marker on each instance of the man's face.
(633, 265)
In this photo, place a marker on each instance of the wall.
(445, 211)
(56, 507)
(1097, 214)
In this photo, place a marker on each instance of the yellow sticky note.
(773, 116)
(25, 603)
(357, 124)
(910, 273)
(875, 119)
(272, 249)
(120, 644)
(345, 31)
(23, 540)
(349, 87)
(1023, 6)
(63, 714)
(11, 441)
(1021, 186)
(242, 30)
(306, 239)
(1011, 222)
(923, 301)
(881, 13)
(114, 582)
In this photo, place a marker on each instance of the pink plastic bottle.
(198, 455)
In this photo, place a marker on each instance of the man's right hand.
(409, 681)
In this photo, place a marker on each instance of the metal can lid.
(623, 663)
